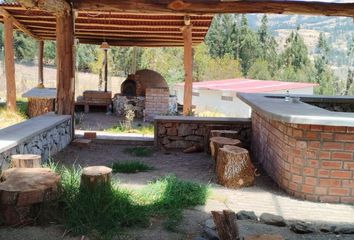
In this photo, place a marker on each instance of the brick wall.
(310, 162)
(156, 102)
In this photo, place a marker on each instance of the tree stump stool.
(219, 142)
(21, 189)
(95, 176)
(26, 161)
(234, 168)
(224, 133)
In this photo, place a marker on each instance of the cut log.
(39, 106)
(225, 222)
(234, 168)
(81, 142)
(20, 188)
(224, 133)
(219, 142)
(95, 176)
(26, 161)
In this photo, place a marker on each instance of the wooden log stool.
(234, 168)
(219, 142)
(23, 188)
(26, 161)
(96, 176)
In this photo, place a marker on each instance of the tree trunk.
(96, 176)
(234, 168)
(219, 142)
(26, 161)
(226, 226)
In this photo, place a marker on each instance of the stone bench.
(43, 135)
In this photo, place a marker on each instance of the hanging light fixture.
(104, 45)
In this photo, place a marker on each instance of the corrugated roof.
(117, 28)
(249, 85)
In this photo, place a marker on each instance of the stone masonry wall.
(178, 132)
(311, 162)
(156, 102)
(45, 144)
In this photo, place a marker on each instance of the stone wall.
(178, 132)
(156, 102)
(45, 143)
(311, 162)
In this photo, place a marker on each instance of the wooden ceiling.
(117, 28)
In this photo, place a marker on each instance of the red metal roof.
(249, 85)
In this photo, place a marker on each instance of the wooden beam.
(56, 7)
(40, 64)
(135, 43)
(65, 64)
(188, 70)
(217, 6)
(19, 25)
(9, 63)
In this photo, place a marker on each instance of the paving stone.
(246, 215)
(272, 219)
(301, 227)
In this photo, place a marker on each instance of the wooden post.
(9, 63)
(188, 69)
(40, 64)
(65, 63)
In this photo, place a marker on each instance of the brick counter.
(311, 162)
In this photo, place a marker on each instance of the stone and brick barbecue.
(307, 150)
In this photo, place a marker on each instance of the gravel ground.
(196, 167)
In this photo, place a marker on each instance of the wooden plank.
(57, 7)
(40, 63)
(9, 63)
(19, 25)
(215, 6)
(65, 64)
(188, 69)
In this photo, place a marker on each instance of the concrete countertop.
(275, 107)
(15, 134)
(50, 93)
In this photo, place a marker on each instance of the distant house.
(220, 96)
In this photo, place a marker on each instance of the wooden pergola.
(148, 23)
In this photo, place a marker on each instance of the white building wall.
(211, 100)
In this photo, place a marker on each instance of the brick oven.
(147, 92)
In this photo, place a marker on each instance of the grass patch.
(105, 211)
(147, 129)
(130, 167)
(139, 151)
(8, 118)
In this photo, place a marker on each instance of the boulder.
(272, 219)
(234, 168)
(301, 227)
(246, 215)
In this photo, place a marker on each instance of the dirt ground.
(196, 167)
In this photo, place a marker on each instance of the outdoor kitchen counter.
(275, 107)
(307, 150)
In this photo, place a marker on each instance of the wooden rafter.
(19, 25)
(217, 6)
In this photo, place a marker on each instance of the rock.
(327, 228)
(194, 149)
(184, 130)
(272, 219)
(210, 224)
(171, 131)
(344, 229)
(195, 138)
(246, 215)
(210, 234)
(301, 227)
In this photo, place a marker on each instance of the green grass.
(147, 129)
(139, 151)
(130, 167)
(105, 211)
